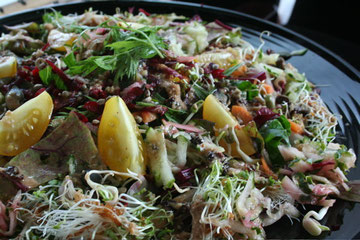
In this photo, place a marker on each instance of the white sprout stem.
(311, 225)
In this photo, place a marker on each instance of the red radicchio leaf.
(144, 12)
(260, 75)
(93, 106)
(130, 93)
(81, 117)
(185, 175)
(45, 47)
(227, 27)
(218, 73)
(61, 74)
(263, 115)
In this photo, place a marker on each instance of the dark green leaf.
(201, 92)
(250, 89)
(276, 132)
(59, 83)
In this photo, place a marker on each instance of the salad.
(159, 126)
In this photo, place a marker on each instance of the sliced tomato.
(8, 66)
(120, 143)
(213, 111)
(23, 127)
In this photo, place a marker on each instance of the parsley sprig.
(129, 47)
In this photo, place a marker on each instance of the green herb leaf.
(70, 60)
(232, 69)
(276, 132)
(251, 89)
(129, 48)
(45, 75)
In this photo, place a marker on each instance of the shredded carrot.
(242, 113)
(240, 71)
(296, 128)
(146, 116)
(267, 169)
(268, 88)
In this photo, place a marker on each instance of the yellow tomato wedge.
(23, 127)
(120, 144)
(8, 66)
(58, 40)
(213, 111)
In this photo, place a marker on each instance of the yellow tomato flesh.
(8, 65)
(213, 111)
(120, 144)
(59, 40)
(23, 127)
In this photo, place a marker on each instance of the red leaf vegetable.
(61, 74)
(185, 175)
(93, 106)
(130, 93)
(81, 117)
(220, 23)
(144, 12)
(260, 75)
(263, 115)
(218, 73)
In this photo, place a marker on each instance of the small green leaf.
(46, 75)
(251, 89)
(70, 60)
(232, 69)
(59, 83)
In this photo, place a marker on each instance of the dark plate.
(339, 82)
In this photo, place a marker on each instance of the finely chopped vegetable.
(133, 126)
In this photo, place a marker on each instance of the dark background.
(333, 24)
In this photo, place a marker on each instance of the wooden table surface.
(29, 4)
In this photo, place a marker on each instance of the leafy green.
(303, 182)
(276, 132)
(70, 60)
(201, 92)
(129, 48)
(250, 89)
(51, 17)
(47, 76)
(232, 69)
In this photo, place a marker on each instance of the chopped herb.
(251, 89)
(232, 69)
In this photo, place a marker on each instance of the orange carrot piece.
(240, 71)
(296, 128)
(268, 88)
(267, 169)
(148, 116)
(242, 113)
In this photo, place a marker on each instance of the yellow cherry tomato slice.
(23, 127)
(8, 65)
(120, 143)
(59, 40)
(213, 111)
